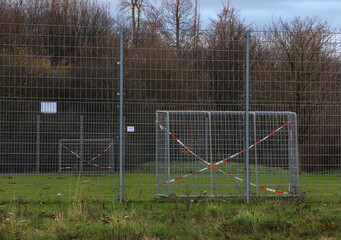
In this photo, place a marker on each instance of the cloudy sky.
(261, 12)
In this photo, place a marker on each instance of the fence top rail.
(227, 112)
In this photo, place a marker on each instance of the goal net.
(202, 153)
(86, 155)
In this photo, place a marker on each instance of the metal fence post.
(297, 189)
(211, 151)
(293, 156)
(167, 152)
(81, 150)
(112, 158)
(121, 115)
(247, 81)
(38, 145)
(255, 149)
(156, 155)
(207, 150)
(59, 156)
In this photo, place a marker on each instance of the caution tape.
(220, 162)
(88, 162)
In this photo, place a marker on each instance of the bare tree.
(196, 25)
(178, 15)
(304, 49)
(154, 19)
(10, 11)
(225, 38)
(298, 56)
(136, 8)
(83, 21)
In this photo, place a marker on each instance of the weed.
(269, 223)
(205, 219)
(245, 221)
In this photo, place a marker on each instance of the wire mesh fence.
(64, 132)
(212, 162)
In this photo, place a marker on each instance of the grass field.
(171, 218)
(140, 184)
(85, 206)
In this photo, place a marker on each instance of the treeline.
(68, 50)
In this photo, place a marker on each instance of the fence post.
(211, 151)
(81, 137)
(247, 137)
(38, 145)
(112, 156)
(255, 149)
(59, 156)
(121, 115)
(156, 155)
(207, 150)
(167, 154)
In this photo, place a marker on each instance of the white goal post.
(201, 153)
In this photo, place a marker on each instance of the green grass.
(171, 218)
(140, 184)
(85, 206)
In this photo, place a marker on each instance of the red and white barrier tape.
(88, 162)
(220, 162)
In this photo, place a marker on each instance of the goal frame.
(163, 156)
(81, 154)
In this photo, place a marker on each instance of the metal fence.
(78, 104)
(212, 163)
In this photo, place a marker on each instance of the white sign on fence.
(130, 129)
(48, 107)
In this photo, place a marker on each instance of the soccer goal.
(86, 155)
(202, 153)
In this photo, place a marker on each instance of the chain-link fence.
(78, 110)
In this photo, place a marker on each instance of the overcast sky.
(261, 12)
